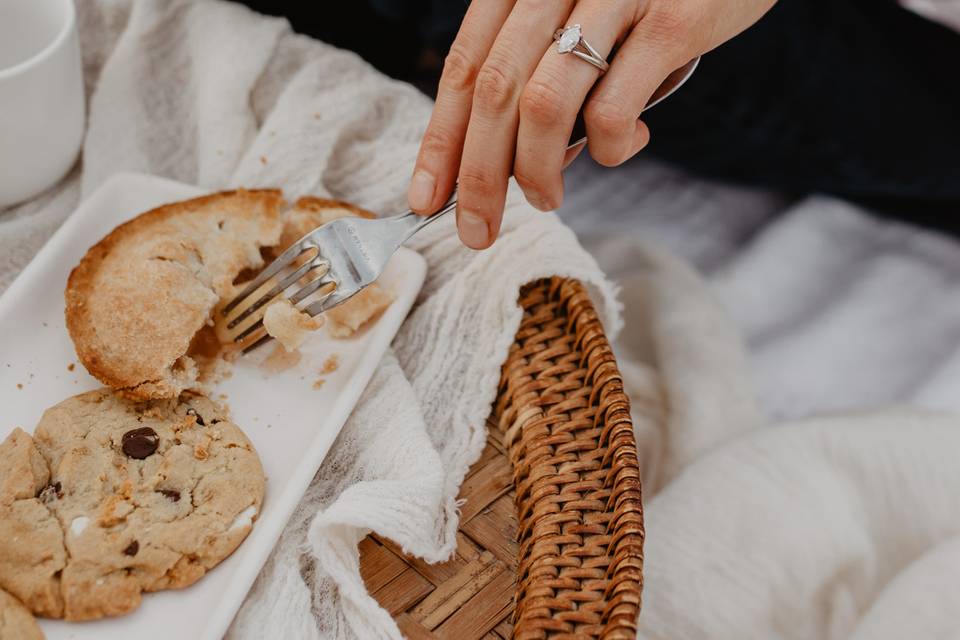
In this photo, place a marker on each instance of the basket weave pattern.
(551, 535)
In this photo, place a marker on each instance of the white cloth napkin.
(213, 94)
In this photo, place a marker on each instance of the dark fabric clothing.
(858, 98)
(437, 20)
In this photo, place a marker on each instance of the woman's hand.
(508, 99)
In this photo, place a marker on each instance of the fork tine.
(277, 289)
(306, 291)
(283, 260)
(310, 288)
(246, 333)
(327, 302)
(262, 341)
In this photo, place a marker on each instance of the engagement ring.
(570, 40)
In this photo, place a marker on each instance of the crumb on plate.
(331, 364)
(280, 360)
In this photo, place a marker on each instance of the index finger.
(438, 162)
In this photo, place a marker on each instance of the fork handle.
(411, 222)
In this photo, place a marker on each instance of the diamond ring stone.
(570, 40)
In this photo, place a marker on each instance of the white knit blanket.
(836, 527)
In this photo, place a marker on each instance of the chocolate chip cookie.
(140, 295)
(16, 623)
(112, 497)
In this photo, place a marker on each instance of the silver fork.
(336, 261)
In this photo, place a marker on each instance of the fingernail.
(538, 201)
(422, 187)
(473, 230)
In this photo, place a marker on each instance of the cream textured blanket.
(780, 501)
(762, 522)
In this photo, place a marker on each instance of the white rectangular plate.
(291, 423)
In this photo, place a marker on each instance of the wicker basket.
(551, 535)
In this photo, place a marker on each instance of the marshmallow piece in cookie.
(289, 325)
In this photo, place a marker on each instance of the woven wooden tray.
(550, 543)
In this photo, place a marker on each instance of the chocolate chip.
(170, 494)
(132, 549)
(50, 493)
(193, 412)
(140, 443)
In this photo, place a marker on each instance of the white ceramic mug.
(41, 96)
